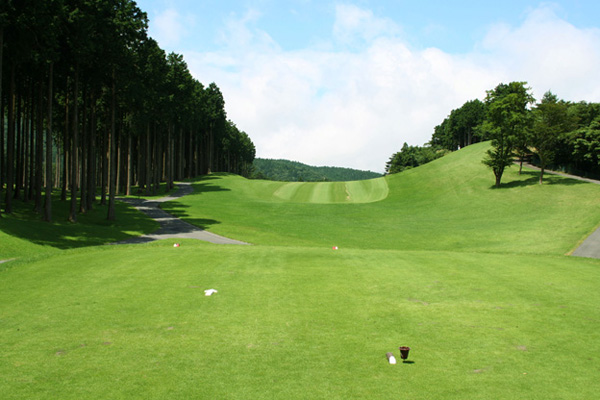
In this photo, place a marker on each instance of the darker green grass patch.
(24, 233)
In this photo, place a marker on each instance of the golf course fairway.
(477, 281)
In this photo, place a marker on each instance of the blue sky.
(346, 83)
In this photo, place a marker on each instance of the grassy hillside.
(449, 204)
(293, 171)
(472, 278)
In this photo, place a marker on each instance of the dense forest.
(91, 105)
(293, 171)
(551, 133)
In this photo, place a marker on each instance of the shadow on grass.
(91, 228)
(529, 178)
(207, 184)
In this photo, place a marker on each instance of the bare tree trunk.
(210, 150)
(26, 144)
(113, 162)
(39, 150)
(75, 147)
(10, 142)
(2, 168)
(66, 144)
(168, 158)
(19, 137)
(92, 155)
(48, 197)
(148, 174)
(128, 169)
(105, 161)
(83, 195)
(156, 156)
(180, 155)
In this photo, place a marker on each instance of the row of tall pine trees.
(91, 106)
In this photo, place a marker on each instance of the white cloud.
(355, 107)
(549, 53)
(169, 27)
(353, 24)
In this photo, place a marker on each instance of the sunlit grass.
(449, 204)
(472, 278)
(297, 323)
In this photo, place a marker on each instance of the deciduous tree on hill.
(507, 118)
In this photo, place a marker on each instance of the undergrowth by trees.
(90, 103)
(552, 133)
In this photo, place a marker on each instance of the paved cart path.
(171, 227)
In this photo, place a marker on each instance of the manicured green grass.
(366, 191)
(449, 205)
(472, 278)
(133, 322)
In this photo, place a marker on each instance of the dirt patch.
(522, 348)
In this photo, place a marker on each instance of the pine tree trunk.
(83, 192)
(92, 155)
(128, 168)
(105, 161)
(2, 168)
(75, 147)
(39, 151)
(168, 166)
(113, 162)
(210, 151)
(19, 137)
(48, 193)
(10, 142)
(66, 144)
(148, 169)
(157, 156)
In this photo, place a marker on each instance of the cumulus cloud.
(354, 106)
(169, 27)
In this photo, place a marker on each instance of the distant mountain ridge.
(294, 171)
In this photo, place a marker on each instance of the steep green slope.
(449, 204)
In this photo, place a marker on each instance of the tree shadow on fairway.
(207, 184)
(530, 178)
(91, 228)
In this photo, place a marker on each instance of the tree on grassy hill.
(507, 118)
(551, 119)
(410, 157)
(587, 145)
(459, 129)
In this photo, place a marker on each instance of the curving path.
(171, 227)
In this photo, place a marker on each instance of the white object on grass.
(209, 292)
(391, 358)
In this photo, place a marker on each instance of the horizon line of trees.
(295, 171)
(552, 133)
(90, 104)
